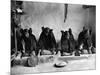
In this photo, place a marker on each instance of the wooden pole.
(15, 41)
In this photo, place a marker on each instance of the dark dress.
(27, 45)
(71, 43)
(33, 43)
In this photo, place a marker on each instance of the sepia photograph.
(52, 37)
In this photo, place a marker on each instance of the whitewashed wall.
(52, 15)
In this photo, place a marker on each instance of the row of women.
(27, 42)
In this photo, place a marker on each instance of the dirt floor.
(74, 63)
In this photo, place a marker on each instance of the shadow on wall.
(52, 15)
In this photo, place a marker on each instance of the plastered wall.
(51, 15)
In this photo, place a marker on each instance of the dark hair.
(30, 30)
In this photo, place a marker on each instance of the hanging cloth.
(65, 13)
